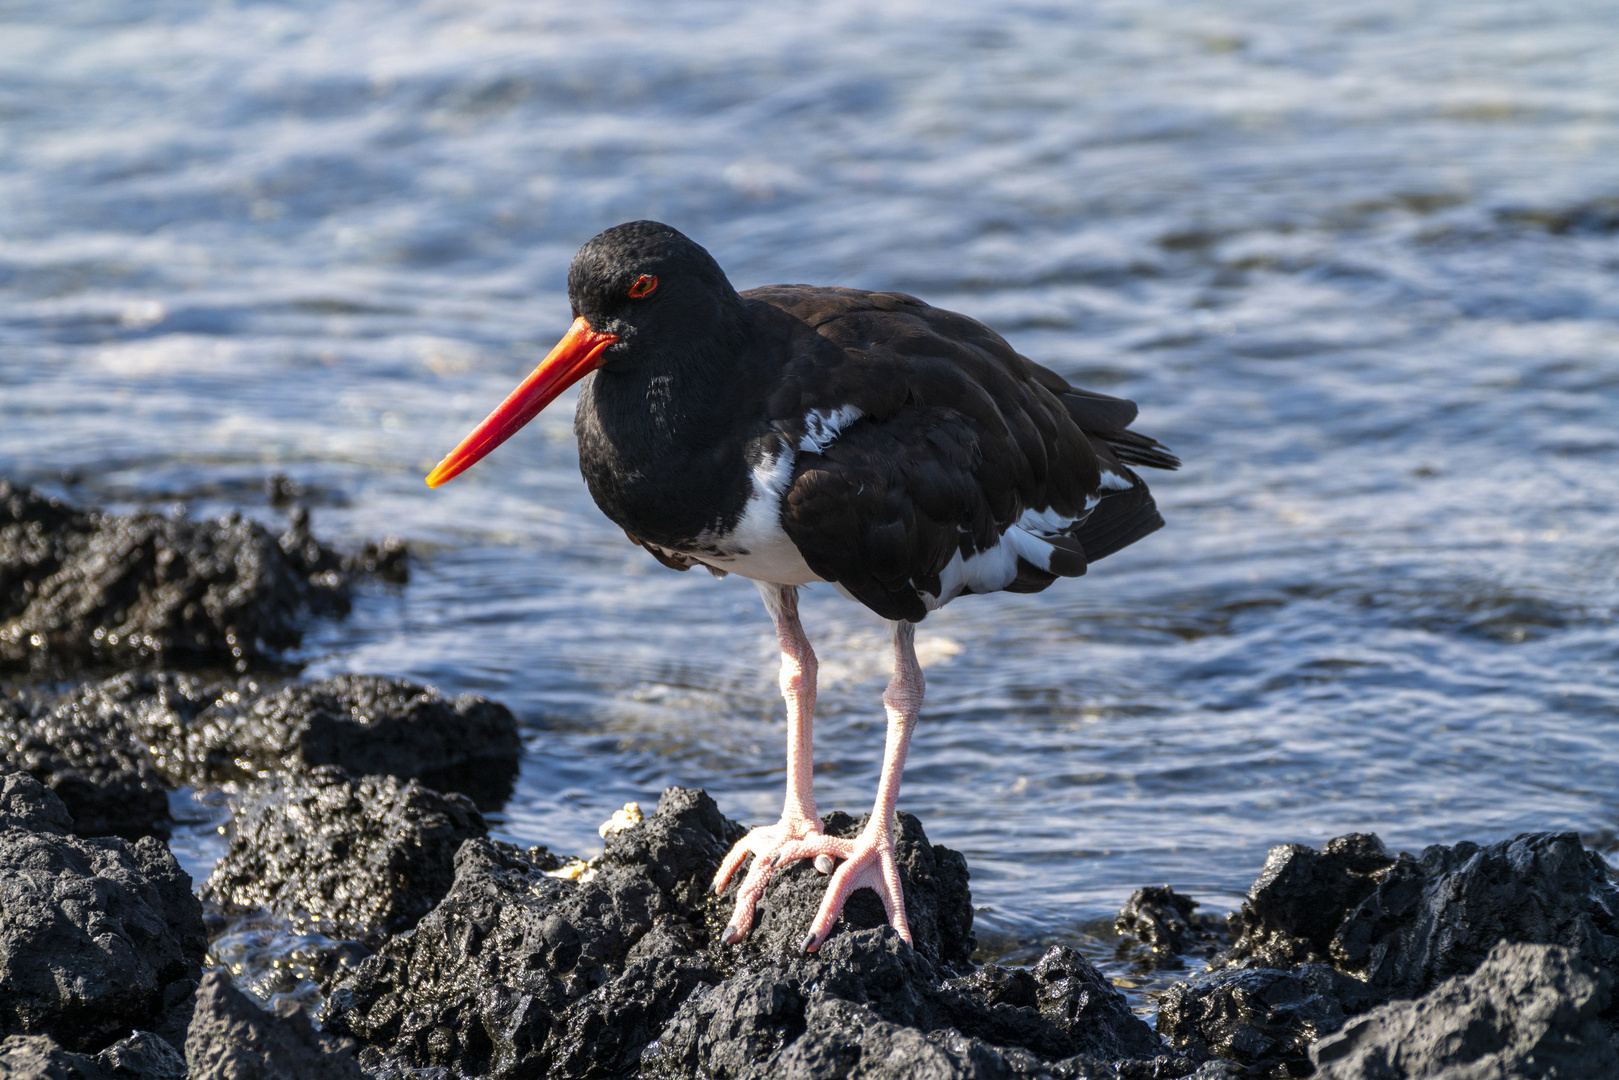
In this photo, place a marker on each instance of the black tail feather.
(1134, 448)
(1119, 521)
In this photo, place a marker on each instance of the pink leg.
(868, 860)
(774, 845)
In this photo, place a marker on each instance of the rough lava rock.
(40, 1057)
(1261, 1017)
(867, 1004)
(1527, 1012)
(1168, 923)
(141, 1056)
(82, 588)
(492, 980)
(231, 1038)
(370, 726)
(96, 935)
(110, 748)
(528, 968)
(107, 784)
(370, 855)
(1388, 926)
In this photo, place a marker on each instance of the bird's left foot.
(868, 862)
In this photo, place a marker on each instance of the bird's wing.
(925, 443)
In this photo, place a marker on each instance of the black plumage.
(958, 434)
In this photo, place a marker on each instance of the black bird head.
(642, 294)
(647, 284)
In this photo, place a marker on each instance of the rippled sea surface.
(1359, 265)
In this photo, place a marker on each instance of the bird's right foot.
(771, 846)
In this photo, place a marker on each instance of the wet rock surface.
(143, 1056)
(1262, 1017)
(276, 959)
(106, 780)
(368, 725)
(1326, 935)
(111, 748)
(83, 588)
(1528, 1011)
(370, 855)
(97, 935)
(1169, 924)
(231, 1038)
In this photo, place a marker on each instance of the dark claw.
(810, 943)
(731, 936)
(823, 863)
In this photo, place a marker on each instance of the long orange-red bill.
(576, 355)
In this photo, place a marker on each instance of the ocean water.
(1359, 267)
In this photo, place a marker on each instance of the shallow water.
(1359, 269)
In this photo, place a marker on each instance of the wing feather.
(957, 436)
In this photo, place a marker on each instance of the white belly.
(757, 547)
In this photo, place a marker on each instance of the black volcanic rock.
(370, 855)
(105, 778)
(1260, 1016)
(493, 979)
(141, 1056)
(868, 999)
(231, 1038)
(1368, 926)
(40, 1057)
(81, 588)
(110, 748)
(1404, 924)
(1302, 897)
(97, 935)
(366, 724)
(524, 970)
(1441, 918)
(1527, 1012)
(1167, 922)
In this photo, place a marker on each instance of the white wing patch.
(994, 568)
(1112, 481)
(821, 427)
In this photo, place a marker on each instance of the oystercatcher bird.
(795, 434)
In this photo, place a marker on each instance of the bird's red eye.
(643, 286)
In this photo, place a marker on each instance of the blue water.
(1359, 267)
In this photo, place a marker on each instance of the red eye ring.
(644, 286)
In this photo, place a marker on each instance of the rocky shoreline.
(361, 878)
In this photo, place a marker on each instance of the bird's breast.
(709, 488)
(756, 546)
